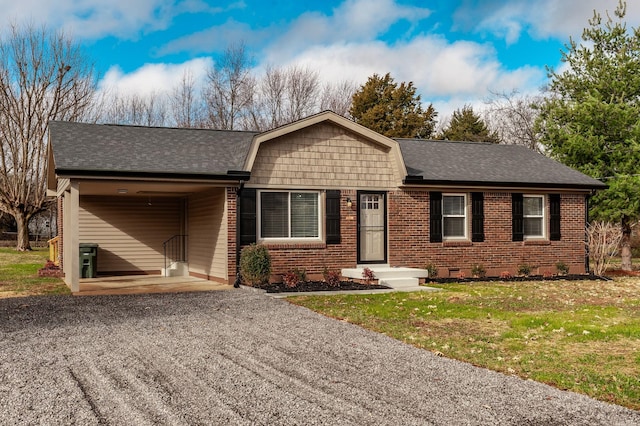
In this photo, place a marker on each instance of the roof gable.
(326, 117)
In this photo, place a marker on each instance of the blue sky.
(455, 51)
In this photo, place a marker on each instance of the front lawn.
(19, 274)
(583, 336)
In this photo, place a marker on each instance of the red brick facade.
(408, 239)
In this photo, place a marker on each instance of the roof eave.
(230, 175)
(419, 181)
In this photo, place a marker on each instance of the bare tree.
(303, 87)
(267, 111)
(186, 110)
(603, 240)
(43, 76)
(337, 97)
(284, 95)
(512, 117)
(134, 109)
(229, 92)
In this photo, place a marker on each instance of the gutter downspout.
(238, 280)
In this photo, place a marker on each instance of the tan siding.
(208, 234)
(128, 230)
(324, 155)
(62, 186)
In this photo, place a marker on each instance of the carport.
(155, 201)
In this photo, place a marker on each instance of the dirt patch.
(621, 273)
(456, 328)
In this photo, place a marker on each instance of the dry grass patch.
(582, 336)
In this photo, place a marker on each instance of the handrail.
(175, 250)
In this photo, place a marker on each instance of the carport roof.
(478, 164)
(116, 149)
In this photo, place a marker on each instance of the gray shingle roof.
(152, 150)
(115, 149)
(484, 163)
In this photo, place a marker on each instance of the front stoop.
(394, 277)
(399, 282)
(176, 269)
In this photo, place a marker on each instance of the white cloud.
(542, 18)
(462, 70)
(152, 78)
(93, 19)
(217, 38)
(353, 20)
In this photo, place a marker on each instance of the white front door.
(372, 229)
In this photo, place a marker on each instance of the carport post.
(71, 232)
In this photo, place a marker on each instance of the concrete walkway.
(140, 284)
(240, 358)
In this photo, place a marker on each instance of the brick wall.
(314, 257)
(408, 239)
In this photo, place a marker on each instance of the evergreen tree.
(391, 109)
(467, 126)
(591, 122)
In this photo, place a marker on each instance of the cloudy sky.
(455, 51)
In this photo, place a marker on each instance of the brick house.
(320, 192)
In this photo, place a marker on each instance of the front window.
(454, 218)
(533, 216)
(288, 215)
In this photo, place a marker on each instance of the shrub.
(291, 279)
(368, 275)
(524, 269)
(478, 271)
(255, 264)
(331, 277)
(505, 275)
(295, 277)
(431, 269)
(562, 268)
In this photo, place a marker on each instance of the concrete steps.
(394, 277)
(399, 282)
(176, 269)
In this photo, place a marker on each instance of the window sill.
(537, 242)
(288, 245)
(457, 243)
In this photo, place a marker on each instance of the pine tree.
(391, 109)
(467, 126)
(591, 122)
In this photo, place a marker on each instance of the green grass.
(583, 336)
(19, 274)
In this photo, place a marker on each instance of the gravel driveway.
(239, 357)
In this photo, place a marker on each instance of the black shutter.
(554, 217)
(435, 216)
(247, 216)
(477, 216)
(517, 217)
(332, 213)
